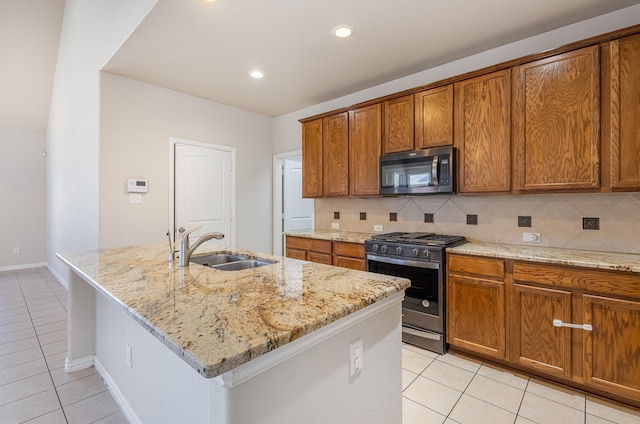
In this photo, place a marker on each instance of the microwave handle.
(434, 170)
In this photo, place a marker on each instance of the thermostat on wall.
(137, 186)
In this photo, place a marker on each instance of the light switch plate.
(355, 357)
(135, 198)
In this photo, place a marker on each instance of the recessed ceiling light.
(342, 31)
(256, 74)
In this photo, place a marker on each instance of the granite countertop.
(589, 259)
(347, 236)
(218, 320)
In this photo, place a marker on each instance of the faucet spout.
(186, 250)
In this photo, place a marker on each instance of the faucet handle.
(185, 235)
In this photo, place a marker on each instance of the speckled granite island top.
(347, 236)
(218, 320)
(589, 259)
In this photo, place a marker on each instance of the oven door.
(423, 305)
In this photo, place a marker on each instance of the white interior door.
(297, 211)
(202, 191)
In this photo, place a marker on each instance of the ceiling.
(29, 38)
(206, 48)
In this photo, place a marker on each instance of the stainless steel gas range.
(420, 257)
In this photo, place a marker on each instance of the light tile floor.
(34, 387)
(436, 389)
(453, 388)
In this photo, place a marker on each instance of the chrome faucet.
(186, 251)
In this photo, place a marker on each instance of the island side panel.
(81, 324)
(315, 386)
(155, 385)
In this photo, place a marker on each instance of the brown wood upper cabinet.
(312, 158)
(398, 125)
(620, 118)
(335, 155)
(365, 137)
(556, 116)
(434, 117)
(483, 133)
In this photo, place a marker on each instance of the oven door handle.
(408, 262)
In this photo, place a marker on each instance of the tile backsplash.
(558, 218)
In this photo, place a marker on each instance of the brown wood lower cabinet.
(535, 342)
(612, 349)
(339, 253)
(476, 305)
(349, 255)
(594, 343)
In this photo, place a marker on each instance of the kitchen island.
(269, 344)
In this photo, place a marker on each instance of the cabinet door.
(351, 263)
(483, 133)
(612, 349)
(335, 159)
(398, 125)
(621, 113)
(476, 315)
(535, 342)
(321, 258)
(556, 122)
(364, 150)
(434, 117)
(312, 158)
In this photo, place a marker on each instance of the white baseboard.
(79, 364)
(61, 280)
(129, 413)
(23, 266)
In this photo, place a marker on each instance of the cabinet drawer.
(353, 250)
(606, 282)
(303, 243)
(486, 267)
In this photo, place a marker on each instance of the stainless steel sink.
(217, 259)
(237, 266)
(225, 262)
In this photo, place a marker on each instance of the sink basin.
(240, 265)
(217, 259)
(226, 262)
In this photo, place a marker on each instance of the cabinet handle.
(559, 323)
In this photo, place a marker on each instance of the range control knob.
(399, 250)
(375, 247)
(383, 249)
(426, 253)
(415, 252)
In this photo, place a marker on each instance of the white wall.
(287, 130)
(91, 31)
(137, 120)
(22, 190)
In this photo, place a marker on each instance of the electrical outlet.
(135, 198)
(335, 226)
(531, 237)
(16, 250)
(355, 357)
(377, 228)
(129, 356)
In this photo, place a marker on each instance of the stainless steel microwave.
(426, 171)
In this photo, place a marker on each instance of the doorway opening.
(291, 212)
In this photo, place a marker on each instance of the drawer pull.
(559, 323)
